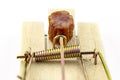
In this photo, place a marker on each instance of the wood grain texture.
(89, 39)
(51, 70)
(32, 36)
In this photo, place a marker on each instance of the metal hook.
(57, 37)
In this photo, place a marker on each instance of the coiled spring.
(71, 51)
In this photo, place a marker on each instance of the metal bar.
(28, 67)
(25, 67)
(92, 52)
(84, 69)
(21, 57)
(45, 41)
(62, 57)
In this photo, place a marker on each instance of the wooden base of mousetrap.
(88, 39)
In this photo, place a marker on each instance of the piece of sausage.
(60, 23)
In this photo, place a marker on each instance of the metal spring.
(69, 52)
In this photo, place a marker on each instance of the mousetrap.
(80, 59)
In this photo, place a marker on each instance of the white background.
(106, 13)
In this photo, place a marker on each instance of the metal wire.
(105, 66)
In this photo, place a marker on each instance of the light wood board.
(32, 36)
(89, 39)
(51, 70)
